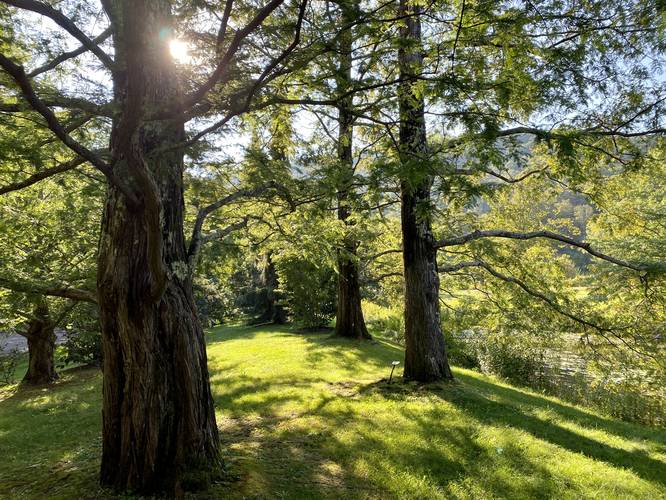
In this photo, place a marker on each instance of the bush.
(516, 362)
(83, 342)
(309, 291)
(8, 363)
(82, 347)
(213, 305)
(388, 322)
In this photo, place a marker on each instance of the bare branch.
(381, 254)
(218, 234)
(382, 277)
(499, 175)
(222, 32)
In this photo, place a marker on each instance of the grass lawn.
(308, 416)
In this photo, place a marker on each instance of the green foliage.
(9, 361)
(214, 303)
(385, 322)
(309, 290)
(82, 347)
(83, 343)
(509, 358)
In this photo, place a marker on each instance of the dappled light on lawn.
(304, 415)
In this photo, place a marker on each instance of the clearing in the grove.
(306, 415)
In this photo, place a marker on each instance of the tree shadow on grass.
(306, 452)
(350, 354)
(306, 456)
(516, 397)
(512, 408)
(49, 438)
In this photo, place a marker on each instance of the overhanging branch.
(602, 330)
(51, 290)
(197, 239)
(476, 235)
(64, 22)
(69, 55)
(18, 74)
(41, 175)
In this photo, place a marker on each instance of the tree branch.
(602, 330)
(19, 76)
(61, 102)
(42, 174)
(69, 55)
(476, 235)
(64, 22)
(288, 50)
(222, 32)
(218, 234)
(223, 65)
(196, 240)
(51, 290)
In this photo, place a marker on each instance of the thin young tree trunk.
(274, 312)
(425, 352)
(158, 410)
(349, 321)
(41, 347)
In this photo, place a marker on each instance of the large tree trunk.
(158, 411)
(41, 346)
(349, 321)
(425, 353)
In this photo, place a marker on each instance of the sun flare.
(179, 51)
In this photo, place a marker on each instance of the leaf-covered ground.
(309, 416)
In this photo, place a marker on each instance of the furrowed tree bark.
(158, 412)
(425, 352)
(349, 321)
(41, 347)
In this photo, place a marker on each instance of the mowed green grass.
(311, 416)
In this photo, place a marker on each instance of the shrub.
(8, 362)
(309, 291)
(213, 304)
(82, 347)
(83, 343)
(385, 321)
(514, 361)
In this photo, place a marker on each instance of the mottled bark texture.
(158, 412)
(425, 352)
(41, 339)
(349, 321)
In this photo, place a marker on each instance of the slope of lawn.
(308, 416)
